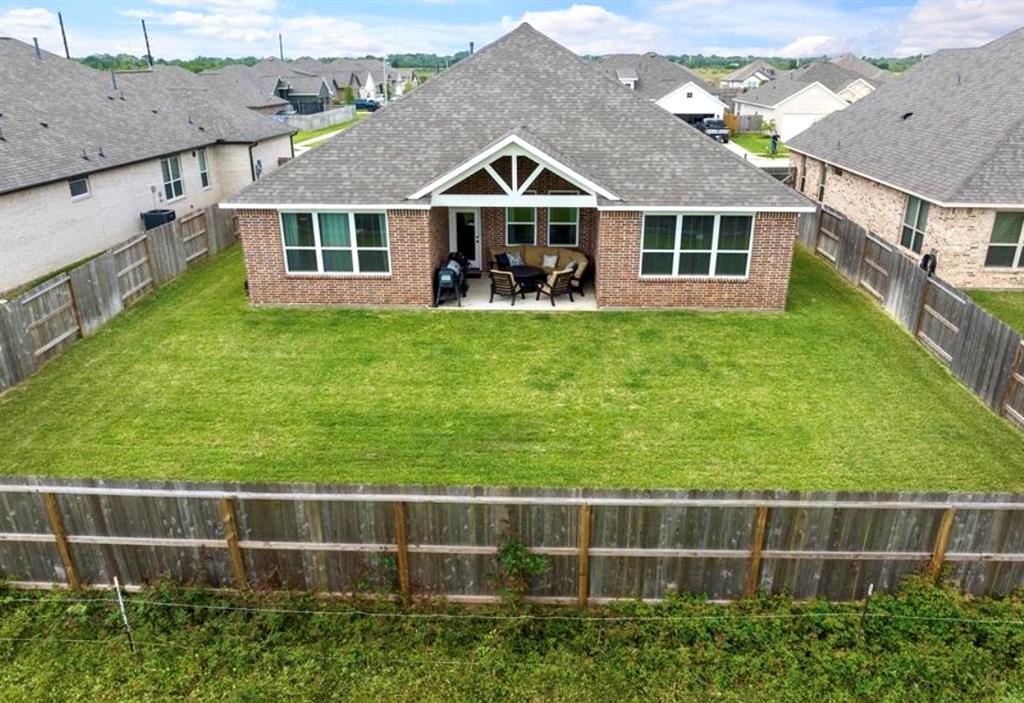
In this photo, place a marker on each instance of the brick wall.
(959, 235)
(493, 234)
(418, 241)
(618, 282)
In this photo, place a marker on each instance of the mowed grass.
(1007, 305)
(194, 383)
(760, 145)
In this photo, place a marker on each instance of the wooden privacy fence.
(40, 323)
(983, 352)
(442, 542)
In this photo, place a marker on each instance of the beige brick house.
(934, 161)
(663, 216)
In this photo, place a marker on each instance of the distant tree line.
(434, 62)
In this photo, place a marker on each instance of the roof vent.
(906, 116)
(153, 111)
(99, 151)
(39, 54)
(44, 124)
(84, 155)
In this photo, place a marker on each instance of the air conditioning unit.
(155, 218)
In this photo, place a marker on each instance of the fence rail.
(441, 542)
(41, 322)
(981, 350)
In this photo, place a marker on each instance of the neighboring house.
(875, 75)
(750, 76)
(803, 96)
(668, 217)
(669, 85)
(238, 85)
(84, 152)
(924, 163)
(308, 93)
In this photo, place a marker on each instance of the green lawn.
(341, 126)
(1007, 305)
(758, 144)
(193, 383)
(925, 644)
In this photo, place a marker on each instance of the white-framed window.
(174, 187)
(915, 220)
(563, 226)
(204, 169)
(1006, 246)
(696, 246)
(520, 225)
(79, 187)
(335, 242)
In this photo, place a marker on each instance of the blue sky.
(795, 28)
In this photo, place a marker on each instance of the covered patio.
(478, 296)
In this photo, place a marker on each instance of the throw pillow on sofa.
(503, 261)
(515, 259)
(550, 261)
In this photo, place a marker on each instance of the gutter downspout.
(252, 163)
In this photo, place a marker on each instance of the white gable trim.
(776, 106)
(693, 87)
(512, 145)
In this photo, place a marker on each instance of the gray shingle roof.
(871, 72)
(89, 126)
(655, 75)
(963, 141)
(830, 75)
(626, 144)
(744, 72)
(240, 85)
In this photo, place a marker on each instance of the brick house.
(666, 217)
(933, 161)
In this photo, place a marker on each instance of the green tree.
(350, 95)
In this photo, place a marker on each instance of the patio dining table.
(529, 277)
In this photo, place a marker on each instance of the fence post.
(756, 546)
(941, 542)
(583, 568)
(920, 308)
(63, 549)
(403, 553)
(235, 557)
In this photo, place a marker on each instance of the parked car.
(368, 105)
(714, 128)
(283, 114)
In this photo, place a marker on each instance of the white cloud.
(224, 6)
(27, 23)
(814, 45)
(591, 29)
(946, 24)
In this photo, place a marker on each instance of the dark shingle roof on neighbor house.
(871, 72)
(769, 94)
(626, 144)
(238, 84)
(744, 72)
(62, 119)
(951, 129)
(655, 75)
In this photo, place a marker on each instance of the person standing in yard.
(773, 144)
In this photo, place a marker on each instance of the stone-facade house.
(933, 161)
(667, 217)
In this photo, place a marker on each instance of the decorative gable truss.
(513, 173)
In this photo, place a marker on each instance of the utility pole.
(64, 36)
(280, 45)
(149, 54)
(384, 77)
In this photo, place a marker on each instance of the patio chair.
(558, 283)
(504, 283)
